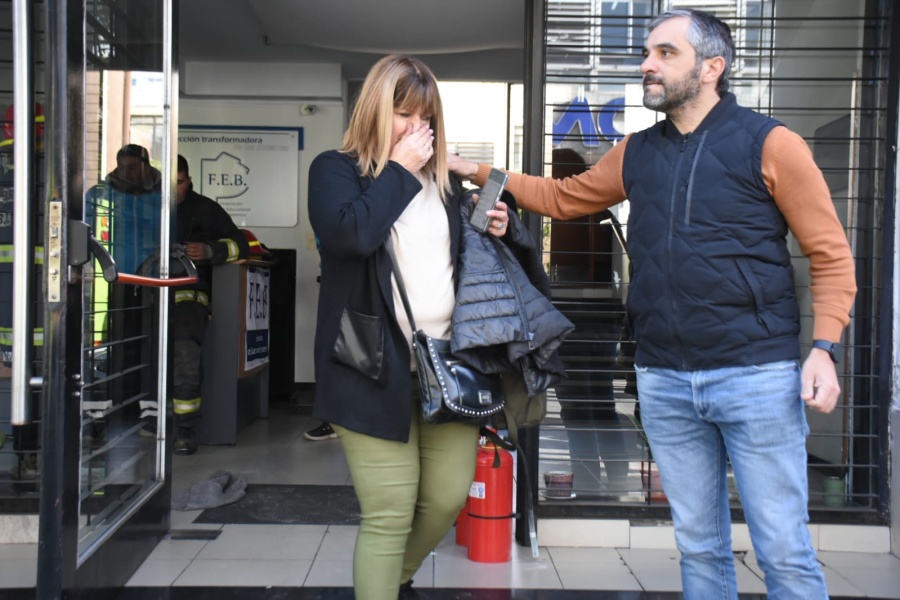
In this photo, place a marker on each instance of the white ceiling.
(476, 40)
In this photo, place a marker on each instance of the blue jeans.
(755, 415)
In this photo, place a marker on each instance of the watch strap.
(832, 348)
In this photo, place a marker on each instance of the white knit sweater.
(421, 238)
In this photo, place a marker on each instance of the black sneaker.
(322, 432)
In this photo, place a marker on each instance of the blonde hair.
(396, 83)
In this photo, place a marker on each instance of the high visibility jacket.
(126, 218)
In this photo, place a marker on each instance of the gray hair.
(708, 35)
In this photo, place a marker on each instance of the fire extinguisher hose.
(513, 446)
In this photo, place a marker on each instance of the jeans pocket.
(777, 366)
(360, 343)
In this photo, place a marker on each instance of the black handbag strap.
(400, 287)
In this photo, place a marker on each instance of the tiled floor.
(317, 558)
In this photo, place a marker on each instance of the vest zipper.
(690, 189)
(673, 304)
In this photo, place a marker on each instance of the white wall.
(476, 112)
(229, 94)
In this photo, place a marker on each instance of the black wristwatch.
(832, 348)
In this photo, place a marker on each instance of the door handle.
(110, 274)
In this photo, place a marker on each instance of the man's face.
(131, 169)
(183, 183)
(670, 68)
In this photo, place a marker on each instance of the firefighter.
(210, 238)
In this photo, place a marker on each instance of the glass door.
(21, 262)
(105, 490)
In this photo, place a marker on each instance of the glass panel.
(124, 108)
(20, 455)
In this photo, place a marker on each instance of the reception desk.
(235, 388)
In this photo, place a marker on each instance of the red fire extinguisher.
(490, 506)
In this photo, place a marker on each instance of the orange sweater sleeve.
(800, 191)
(585, 194)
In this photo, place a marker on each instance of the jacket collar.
(720, 113)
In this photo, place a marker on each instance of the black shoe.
(408, 593)
(322, 432)
(96, 433)
(148, 428)
(185, 445)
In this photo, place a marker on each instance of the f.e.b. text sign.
(251, 172)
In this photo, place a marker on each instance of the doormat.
(267, 504)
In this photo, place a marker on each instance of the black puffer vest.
(712, 282)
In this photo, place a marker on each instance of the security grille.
(821, 69)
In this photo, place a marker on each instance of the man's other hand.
(819, 386)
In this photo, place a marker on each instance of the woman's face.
(403, 118)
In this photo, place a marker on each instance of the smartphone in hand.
(487, 199)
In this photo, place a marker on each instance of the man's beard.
(674, 95)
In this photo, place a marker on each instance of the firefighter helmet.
(8, 129)
(256, 248)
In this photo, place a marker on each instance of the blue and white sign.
(257, 318)
(579, 113)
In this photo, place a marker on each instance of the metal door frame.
(105, 567)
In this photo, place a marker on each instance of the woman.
(390, 180)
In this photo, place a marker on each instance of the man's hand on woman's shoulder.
(465, 169)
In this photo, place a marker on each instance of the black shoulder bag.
(450, 390)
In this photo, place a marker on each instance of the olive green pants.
(409, 495)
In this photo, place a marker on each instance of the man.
(124, 210)
(126, 205)
(210, 237)
(713, 190)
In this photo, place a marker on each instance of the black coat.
(504, 320)
(352, 217)
(201, 219)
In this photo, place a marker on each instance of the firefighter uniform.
(200, 219)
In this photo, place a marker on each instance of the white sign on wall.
(251, 172)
